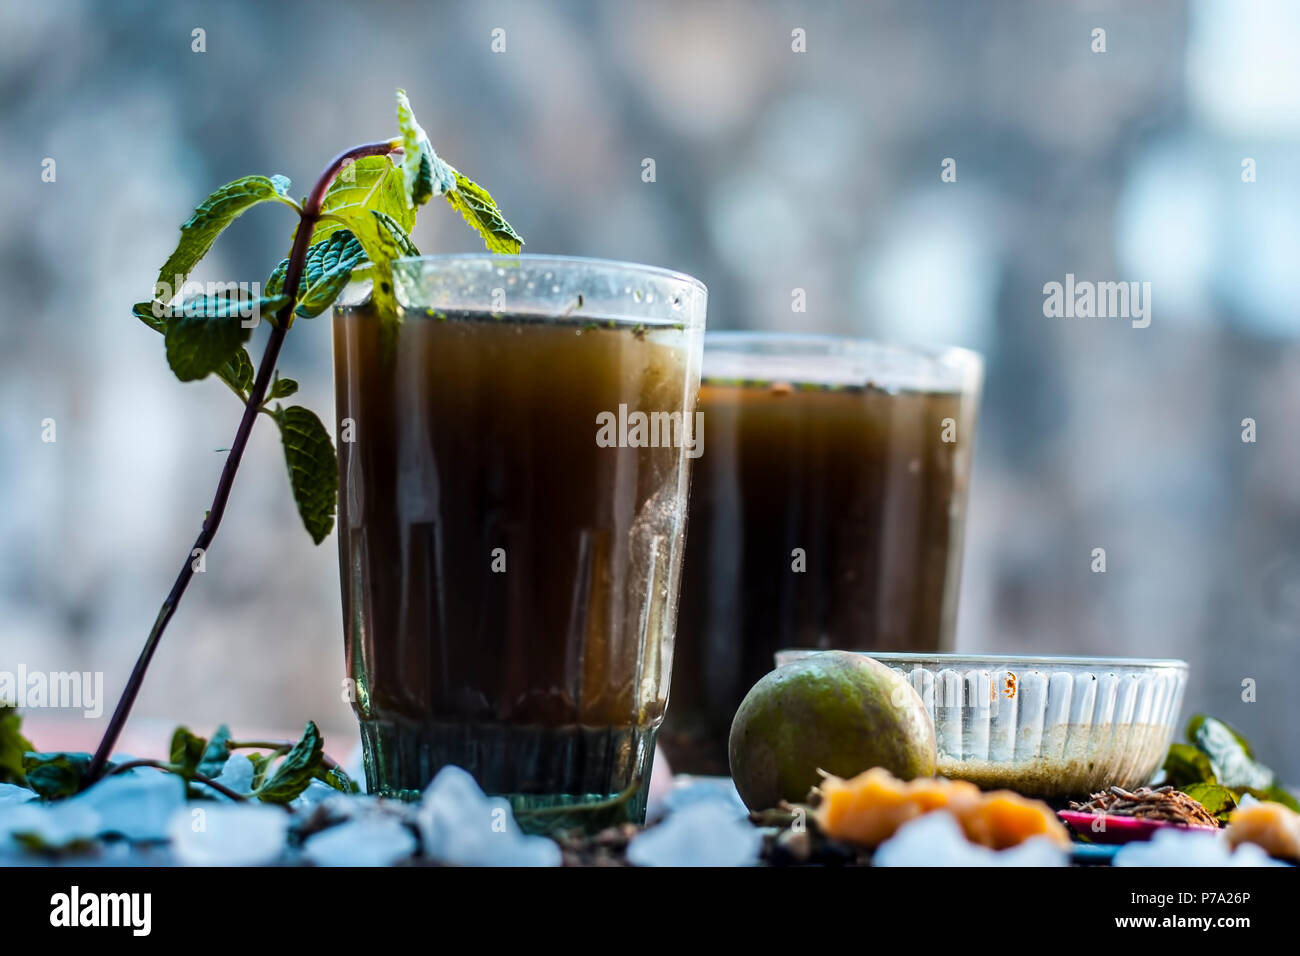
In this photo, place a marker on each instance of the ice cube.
(136, 805)
(461, 825)
(704, 833)
(1176, 847)
(237, 773)
(52, 825)
(688, 790)
(11, 793)
(373, 842)
(228, 834)
(317, 791)
(936, 839)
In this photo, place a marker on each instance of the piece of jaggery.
(870, 808)
(1273, 826)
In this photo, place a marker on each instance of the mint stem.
(311, 211)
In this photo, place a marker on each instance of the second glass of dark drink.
(514, 463)
(826, 511)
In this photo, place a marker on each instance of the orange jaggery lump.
(1273, 826)
(1003, 819)
(871, 807)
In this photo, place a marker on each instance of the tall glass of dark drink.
(510, 541)
(826, 511)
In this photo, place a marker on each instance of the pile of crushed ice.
(698, 822)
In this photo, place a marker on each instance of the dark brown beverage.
(509, 580)
(825, 512)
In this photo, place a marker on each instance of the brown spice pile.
(1163, 803)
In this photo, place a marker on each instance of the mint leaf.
(238, 372)
(144, 311)
(13, 745)
(1233, 766)
(480, 210)
(372, 182)
(328, 267)
(209, 220)
(1186, 765)
(55, 775)
(423, 172)
(216, 753)
(1198, 720)
(208, 333)
(186, 752)
(313, 468)
(338, 779)
(1219, 801)
(292, 775)
(283, 388)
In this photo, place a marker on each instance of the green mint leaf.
(281, 184)
(186, 752)
(283, 388)
(313, 468)
(1186, 765)
(1197, 720)
(209, 332)
(372, 182)
(291, 776)
(13, 745)
(55, 775)
(338, 779)
(210, 219)
(144, 311)
(216, 753)
(261, 762)
(1219, 801)
(238, 372)
(480, 210)
(423, 173)
(394, 240)
(1232, 765)
(328, 267)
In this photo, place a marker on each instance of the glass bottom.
(556, 778)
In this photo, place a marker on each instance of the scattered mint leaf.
(208, 333)
(283, 388)
(216, 753)
(1219, 801)
(1233, 766)
(186, 752)
(338, 779)
(1186, 765)
(55, 775)
(290, 777)
(1198, 720)
(13, 745)
(313, 468)
(480, 210)
(260, 764)
(209, 220)
(1274, 794)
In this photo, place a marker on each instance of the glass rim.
(543, 259)
(1022, 660)
(740, 337)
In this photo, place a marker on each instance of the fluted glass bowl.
(1052, 727)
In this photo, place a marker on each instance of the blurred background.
(775, 170)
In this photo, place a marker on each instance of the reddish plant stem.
(293, 279)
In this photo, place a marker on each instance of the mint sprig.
(355, 221)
